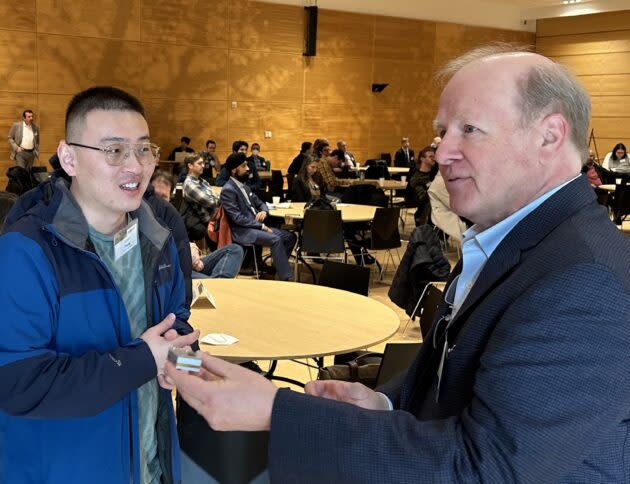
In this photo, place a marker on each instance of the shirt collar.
(490, 238)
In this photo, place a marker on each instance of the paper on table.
(202, 297)
(219, 339)
(279, 205)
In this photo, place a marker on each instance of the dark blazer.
(242, 219)
(296, 164)
(401, 160)
(535, 388)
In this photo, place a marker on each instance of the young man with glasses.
(93, 298)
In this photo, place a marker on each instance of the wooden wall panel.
(337, 80)
(18, 15)
(612, 127)
(343, 34)
(199, 120)
(597, 49)
(66, 66)
(189, 22)
(17, 62)
(612, 106)
(266, 27)
(583, 24)
(339, 121)
(597, 43)
(52, 118)
(265, 76)
(607, 85)
(113, 19)
(454, 39)
(187, 60)
(184, 72)
(408, 83)
(404, 39)
(615, 63)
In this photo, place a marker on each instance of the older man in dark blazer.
(24, 140)
(247, 214)
(524, 374)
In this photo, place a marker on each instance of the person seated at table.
(247, 213)
(307, 185)
(258, 161)
(211, 161)
(196, 189)
(254, 182)
(306, 151)
(617, 160)
(416, 192)
(184, 147)
(162, 185)
(321, 150)
(223, 263)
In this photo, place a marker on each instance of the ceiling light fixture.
(567, 2)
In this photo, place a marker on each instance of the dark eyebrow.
(118, 139)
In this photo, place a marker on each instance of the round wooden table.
(276, 320)
(349, 212)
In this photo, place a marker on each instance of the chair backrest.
(177, 197)
(347, 277)
(397, 357)
(365, 195)
(375, 172)
(621, 200)
(387, 157)
(322, 231)
(385, 234)
(428, 308)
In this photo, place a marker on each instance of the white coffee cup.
(403, 179)
(381, 182)
(617, 181)
(275, 200)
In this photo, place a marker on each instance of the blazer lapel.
(527, 233)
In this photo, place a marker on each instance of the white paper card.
(126, 239)
(202, 296)
(219, 339)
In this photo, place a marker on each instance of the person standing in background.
(24, 140)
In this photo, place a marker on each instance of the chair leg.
(255, 262)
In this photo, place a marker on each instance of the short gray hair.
(546, 88)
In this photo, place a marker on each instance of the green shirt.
(128, 276)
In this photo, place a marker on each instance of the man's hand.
(227, 396)
(160, 338)
(197, 265)
(260, 216)
(343, 391)
(267, 229)
(19, 149)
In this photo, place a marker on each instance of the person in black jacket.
(307, 185)
(305, 152)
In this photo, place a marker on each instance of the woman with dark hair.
(617, 159)
(307, 184)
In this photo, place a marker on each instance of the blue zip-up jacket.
(68, 365)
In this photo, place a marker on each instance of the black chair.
(377, 169)
(387, 157)
(276, 184)
(426, 308)
(177, 197)
(365, 195)
(621, 202)
(322, 233)
(347, 277)
(384, 235)
(397, 358)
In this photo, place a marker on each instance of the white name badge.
(126, 239)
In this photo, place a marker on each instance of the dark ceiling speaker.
(310, 31)
(379, 87)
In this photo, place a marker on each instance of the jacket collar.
(67, 219)
(527, 234)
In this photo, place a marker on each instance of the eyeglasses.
(117, 153)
